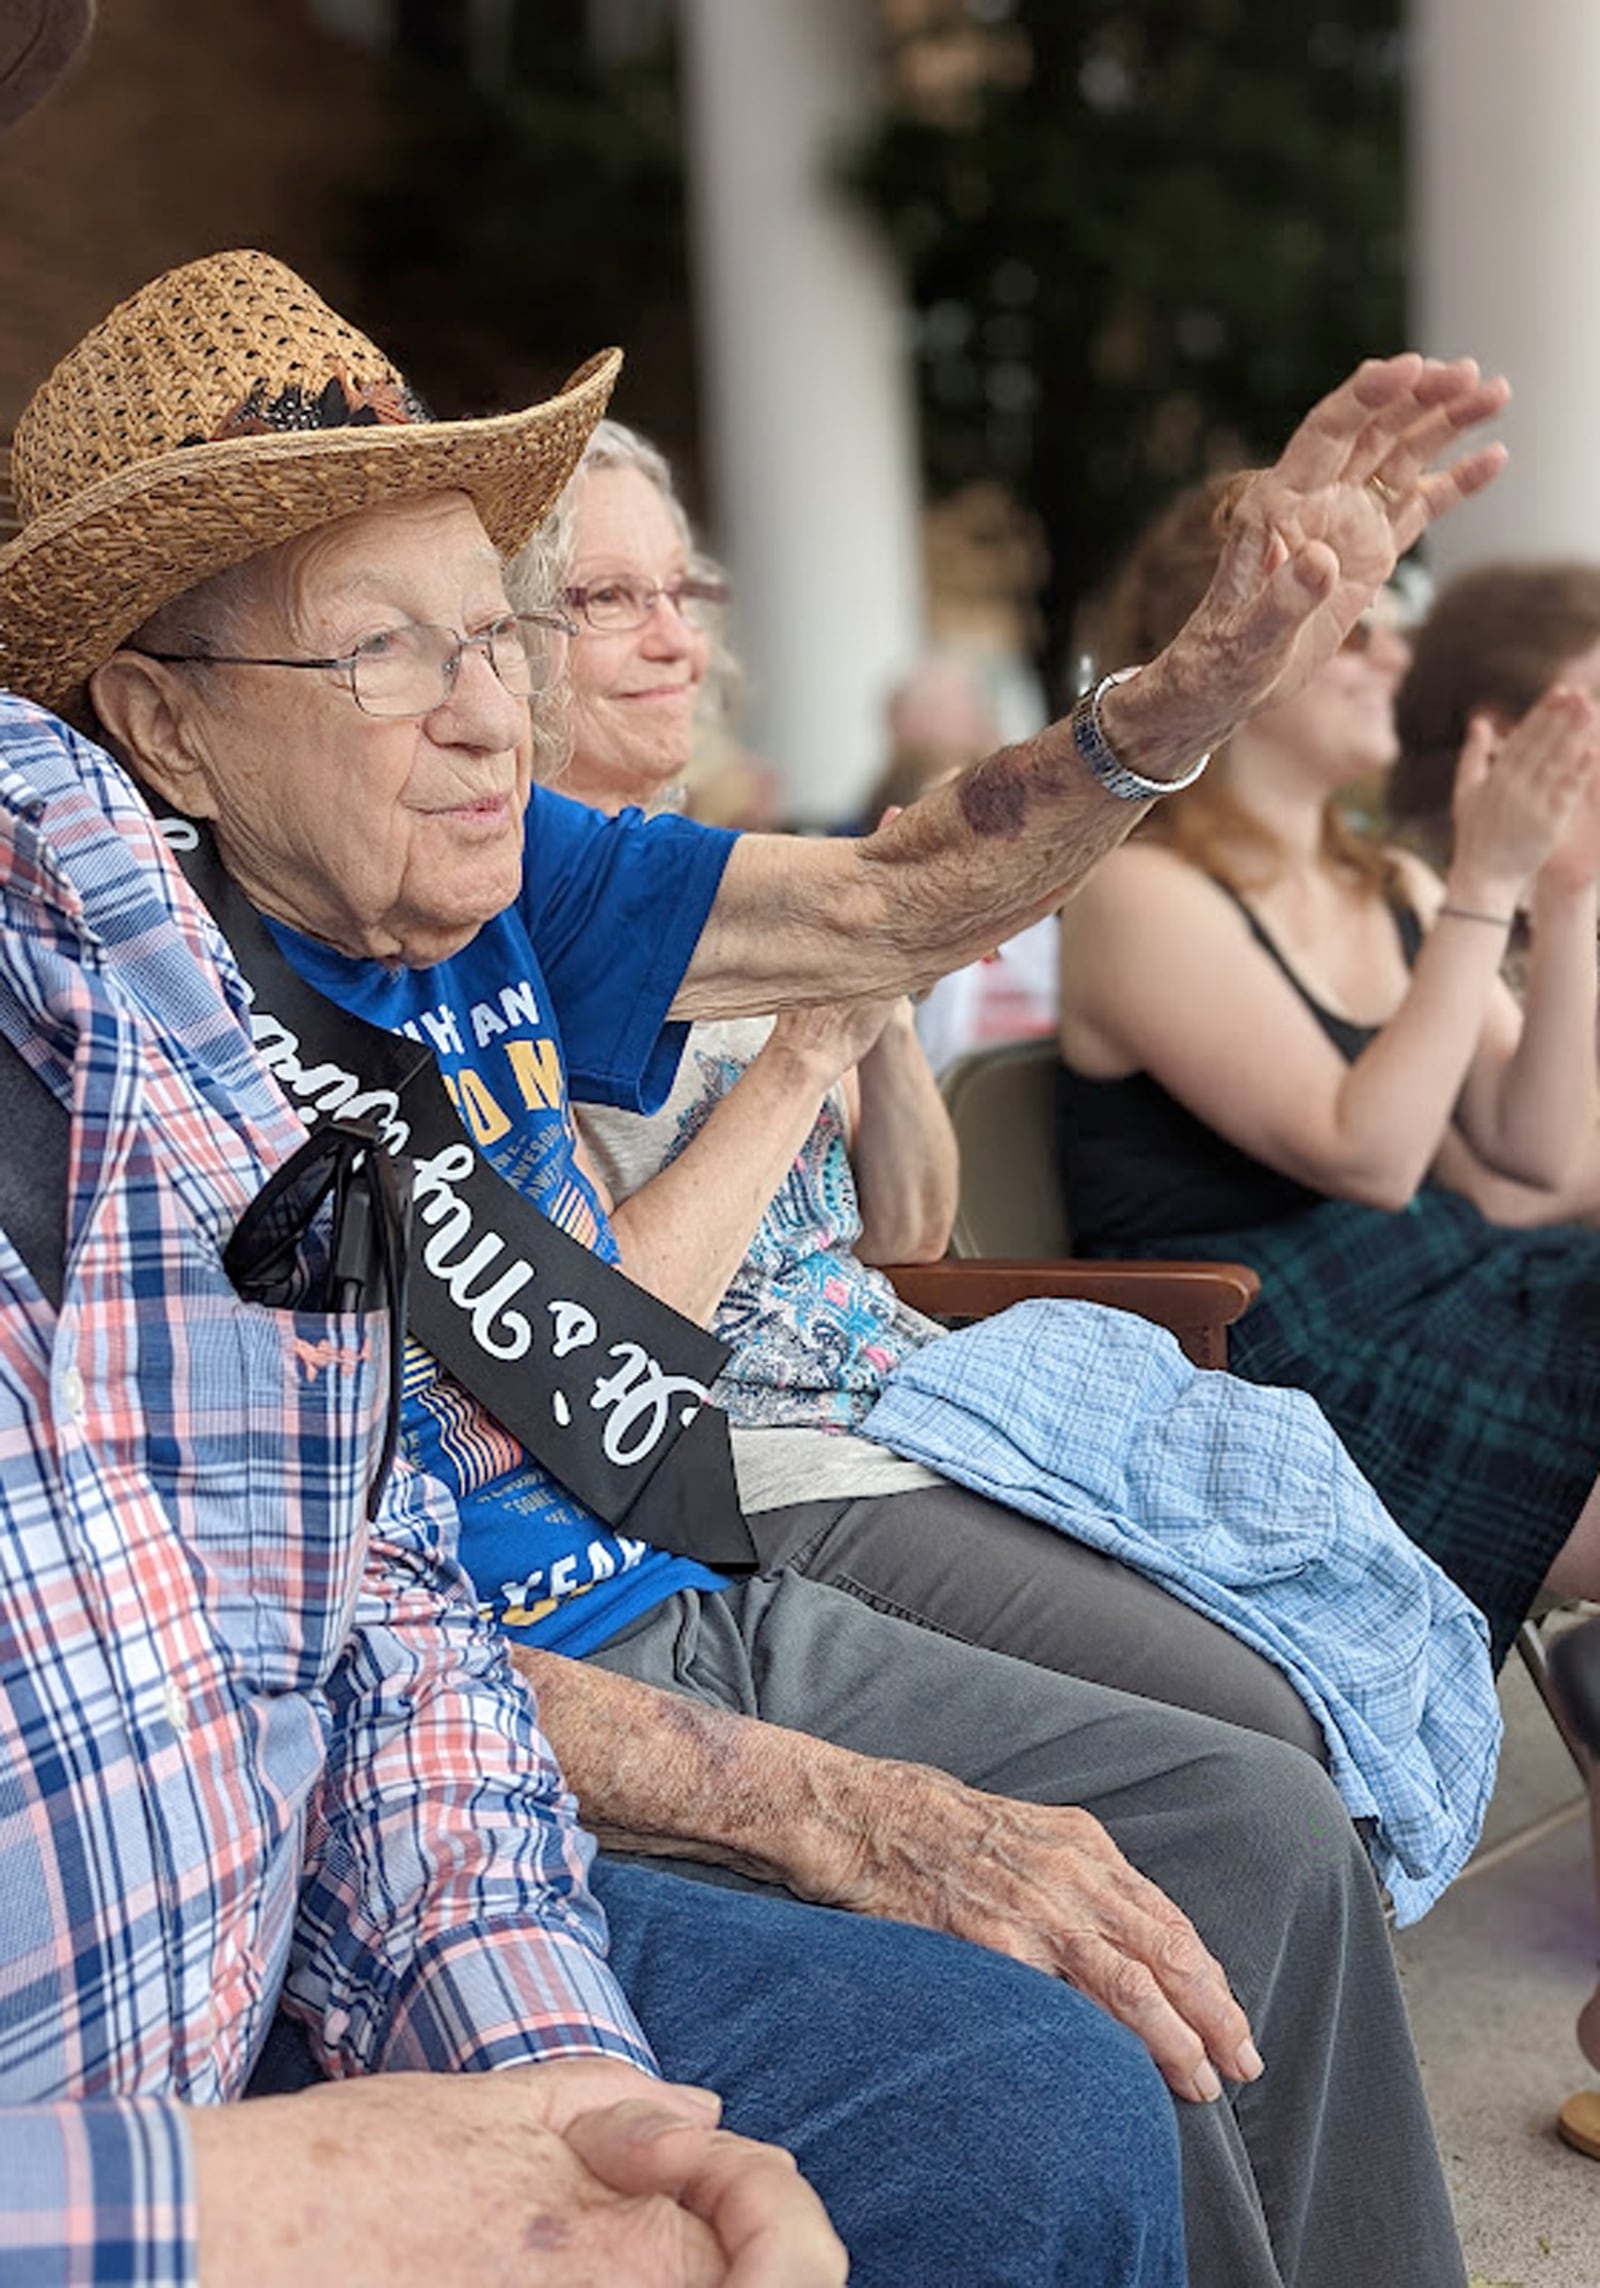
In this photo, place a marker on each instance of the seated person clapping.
(1290, 1044)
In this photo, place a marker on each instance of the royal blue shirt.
(568, 987)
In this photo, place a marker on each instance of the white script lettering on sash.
(638, 1392)
(438, 1206)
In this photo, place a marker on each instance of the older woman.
(341, 700)
(791, 1155)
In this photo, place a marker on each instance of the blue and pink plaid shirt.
(245, 1749)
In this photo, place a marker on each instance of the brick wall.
(190, 126)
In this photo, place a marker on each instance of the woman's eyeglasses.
(613, 607)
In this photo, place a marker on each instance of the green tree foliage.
(1141, 248)
(531, 211)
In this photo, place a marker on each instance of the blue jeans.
(965, 2119)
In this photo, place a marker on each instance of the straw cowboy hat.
(216, 413)
(38, 40)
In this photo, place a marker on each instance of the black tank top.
(1137, 1165)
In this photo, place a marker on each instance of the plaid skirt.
(1459, 1362)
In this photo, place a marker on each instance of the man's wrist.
(1154, 735)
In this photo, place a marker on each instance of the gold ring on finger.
(1389, 496)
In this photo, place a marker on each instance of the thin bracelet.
(1471, 914)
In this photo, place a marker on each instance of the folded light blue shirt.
(1241, 1501)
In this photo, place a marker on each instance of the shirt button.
(176, 1706)
(73, 1394)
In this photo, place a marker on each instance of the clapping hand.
(1527, 801)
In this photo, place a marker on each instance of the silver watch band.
(1098, 757)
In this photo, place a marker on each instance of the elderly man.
(275, 580)
(243, 1751)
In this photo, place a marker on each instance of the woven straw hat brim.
(81, 577)
(39, 39)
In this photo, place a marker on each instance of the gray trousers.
(954, 1561)
(1324, 2173)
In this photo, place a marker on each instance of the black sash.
(520, 1313)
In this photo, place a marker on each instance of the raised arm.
(660, 1773)
(1310, 542)
(1531, 1107)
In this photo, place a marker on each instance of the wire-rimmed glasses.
(618, 605)
(407, 671)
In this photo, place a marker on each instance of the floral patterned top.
(814, 1331)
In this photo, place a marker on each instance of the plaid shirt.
(241, 1742)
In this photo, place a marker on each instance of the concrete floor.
(1494, 1978)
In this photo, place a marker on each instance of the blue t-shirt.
(572, 983)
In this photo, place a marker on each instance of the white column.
(810, 436)
(1506, 240)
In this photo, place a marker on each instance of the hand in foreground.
(1046, 1884)
(582, 2173)
(1311, 541)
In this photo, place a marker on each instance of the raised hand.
(1312, 539)
(1308, 545)
(1529, 800)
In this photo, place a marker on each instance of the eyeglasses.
(367, 1254)
(408, 671)
(613, 607)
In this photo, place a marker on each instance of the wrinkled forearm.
(971, 864)
(684, 1233)
(661, 1774)
(903, 1153)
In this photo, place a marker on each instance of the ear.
(150, 719)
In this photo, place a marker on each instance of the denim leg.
(965, 2119)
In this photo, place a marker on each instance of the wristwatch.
(1099, 758)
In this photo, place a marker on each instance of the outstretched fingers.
(1388, 420)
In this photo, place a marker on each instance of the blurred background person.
(1494, 642)
(1289, 1045)
(938, 719)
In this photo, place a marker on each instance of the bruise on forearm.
(665, 1775)
(945, 882)
(997, 848)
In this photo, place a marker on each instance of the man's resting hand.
(1046, 1884)
(580, 2173)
